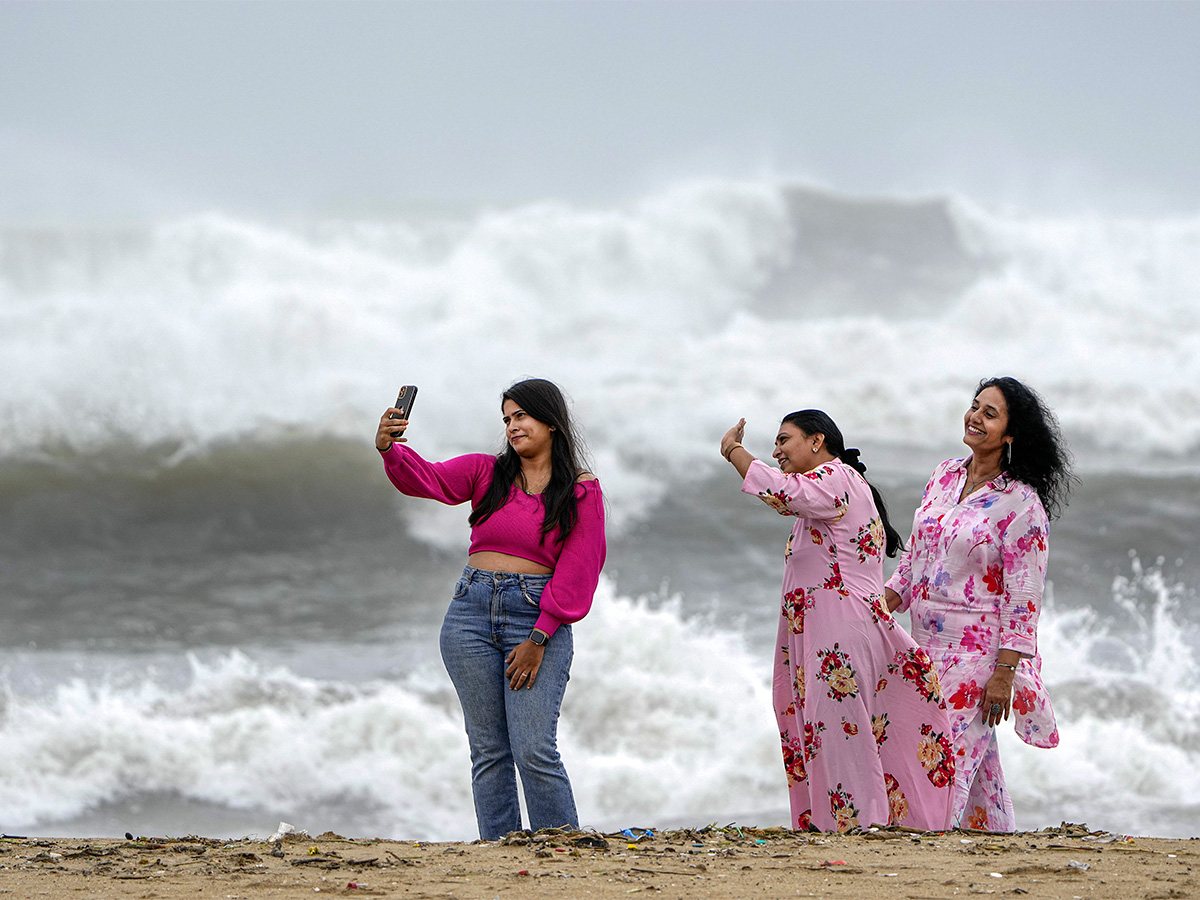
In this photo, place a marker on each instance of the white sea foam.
(1127, 692)
(665, 319)
(667, 721)
(239, 737)
(664, 718)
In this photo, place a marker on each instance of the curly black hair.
(1038, 454)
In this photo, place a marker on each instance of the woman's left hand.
(997, 692)
(523, 664)
(894, 601)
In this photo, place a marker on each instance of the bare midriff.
(490, 561)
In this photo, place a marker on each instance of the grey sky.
(131, 109)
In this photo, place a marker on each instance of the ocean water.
(216, 613)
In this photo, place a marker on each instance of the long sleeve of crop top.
(454, 481)
(568, 596)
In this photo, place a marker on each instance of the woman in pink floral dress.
(865, 733)
(972, 579)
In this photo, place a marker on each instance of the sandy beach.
(717, 862)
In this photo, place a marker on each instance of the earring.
(1008, 453)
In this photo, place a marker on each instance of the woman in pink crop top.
(537, 547)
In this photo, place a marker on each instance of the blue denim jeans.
(491, 613)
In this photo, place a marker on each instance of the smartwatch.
(539, 637)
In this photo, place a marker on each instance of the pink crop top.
(516, 527)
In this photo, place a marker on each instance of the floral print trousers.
(981, 798)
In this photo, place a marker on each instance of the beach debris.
(877, 835)
(290, 833)
(590, 841)
(1107, 837)
(92, 851)
(404, 860)
(1069, 829)
(1081, 866)
(321, 862)
(840, 865)
(700, 871)
(637, 834)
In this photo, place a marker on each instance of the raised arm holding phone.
(537, 548)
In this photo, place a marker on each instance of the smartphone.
(404, 403)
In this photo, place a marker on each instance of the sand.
(727, 863)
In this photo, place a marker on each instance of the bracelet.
(732, 447)
(1007, 666)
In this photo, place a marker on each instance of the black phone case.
(404, 403)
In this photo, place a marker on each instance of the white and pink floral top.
(972, 578)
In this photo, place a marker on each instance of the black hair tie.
(850, 458)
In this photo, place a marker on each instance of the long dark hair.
(545, 402)
(814, 421)
(1038, 454)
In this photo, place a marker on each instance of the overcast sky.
(124, 110)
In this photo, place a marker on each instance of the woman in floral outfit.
(972, 579)
(865, 733)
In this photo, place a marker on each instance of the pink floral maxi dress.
(972, 578)
(865, 733)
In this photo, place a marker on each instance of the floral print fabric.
(972, 579)
(865, 732)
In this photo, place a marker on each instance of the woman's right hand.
(997, 697)
(383, 436)
(733, 437)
